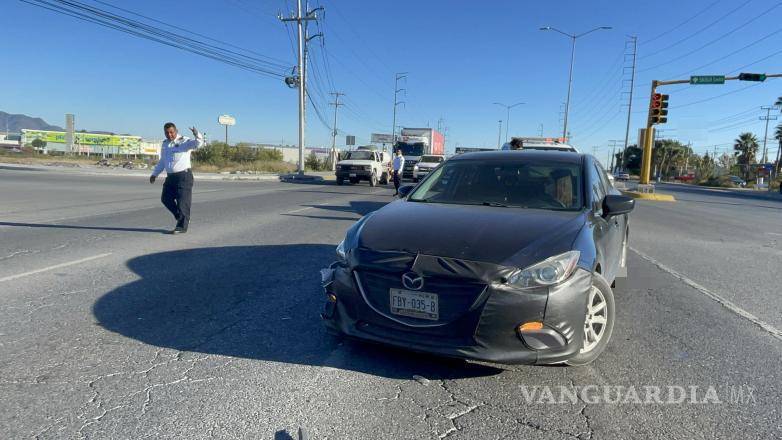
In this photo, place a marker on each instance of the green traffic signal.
(752, 77)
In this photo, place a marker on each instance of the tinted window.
(360, 155)
(410, 149)
(539, 184)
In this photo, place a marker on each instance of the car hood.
(427, 164)
(504, 236)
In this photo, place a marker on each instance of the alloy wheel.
(596, 319)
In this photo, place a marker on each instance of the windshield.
(359, 155)
(435, 159)
(410, 149)
(542, 185)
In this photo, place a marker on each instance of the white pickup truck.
(369, 165)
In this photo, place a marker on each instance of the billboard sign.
(382, 138)
(226, 120)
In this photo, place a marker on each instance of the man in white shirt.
(398, 168)
(178, 187)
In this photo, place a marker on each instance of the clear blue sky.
(461, 56)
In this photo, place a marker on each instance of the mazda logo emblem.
(413, 281)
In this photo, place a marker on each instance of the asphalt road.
(111, 329)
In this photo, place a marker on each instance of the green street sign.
(707, 79)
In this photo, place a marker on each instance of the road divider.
(649, 196)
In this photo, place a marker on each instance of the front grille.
(407, 171)
(456, 298)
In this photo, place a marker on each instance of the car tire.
(340, 181)
(384, 179)
(373, 179)
(600, 293)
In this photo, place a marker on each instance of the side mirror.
(405, 190)
(615, 205)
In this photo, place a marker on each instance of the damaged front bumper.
(484, 325)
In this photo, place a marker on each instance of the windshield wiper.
(495, 204)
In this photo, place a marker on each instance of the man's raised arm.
(192, 144)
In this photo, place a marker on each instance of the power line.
(667, 32)
(699, 31)
(732, 31)
(728, 55)
(123, 24)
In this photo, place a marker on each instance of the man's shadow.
(257, 302)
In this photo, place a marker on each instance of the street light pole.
(573, 38)
(499, 134)
(507, 115)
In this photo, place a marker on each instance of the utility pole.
(613, 153)
(499, 134)
(397, 77)
(541, 130)
(630, 101)
(766, 118)
(302, 80)
(333, 153)
(440, 125)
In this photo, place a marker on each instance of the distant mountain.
(17, 122)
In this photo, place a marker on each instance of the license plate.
(421, 305)
(352, 174)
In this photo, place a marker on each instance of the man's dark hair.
(168, 125)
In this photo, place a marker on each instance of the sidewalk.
(122, 172)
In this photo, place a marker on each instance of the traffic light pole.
(646, 159)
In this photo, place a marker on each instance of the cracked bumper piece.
(479, 319)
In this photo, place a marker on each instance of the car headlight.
(548, 272)
(415, 167)
(341, 250)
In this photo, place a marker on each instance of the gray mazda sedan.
(504, 257)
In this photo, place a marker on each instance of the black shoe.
(178, 230)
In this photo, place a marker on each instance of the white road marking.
(299, 210)
(56, 266)
(774, 233)
(713, 296)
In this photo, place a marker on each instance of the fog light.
(332, 298)
(530, 326)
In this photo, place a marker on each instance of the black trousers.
(177, 194)
(396, 180)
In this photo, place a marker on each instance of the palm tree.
(746, 149)
(778, 137)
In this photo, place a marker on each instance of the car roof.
(523, 155)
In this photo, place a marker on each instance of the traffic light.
(752, 77)
(659, 109)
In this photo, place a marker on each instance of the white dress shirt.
(399, 163)
(175, 155)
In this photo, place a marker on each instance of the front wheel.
(340, 181)
(598, 322)
(373, 179)
(384, 179)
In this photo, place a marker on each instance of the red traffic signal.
(658, 112)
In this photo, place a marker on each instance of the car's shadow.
(257, 302)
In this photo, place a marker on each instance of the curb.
(650, 196)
